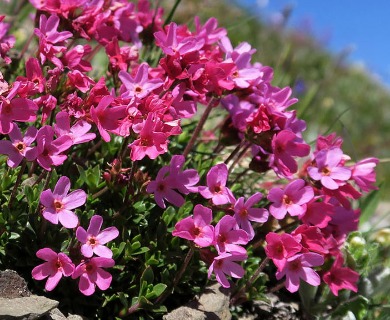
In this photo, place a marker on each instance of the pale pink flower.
(363, 173)
(56, 266)
(93, 239)
(216, 189)
(139, 86)
(299, 267)
(58, 204)
(19, 146)
(224, 264)
(91, 274)
(292, 199)
(329, 168)
(78, 132)
(243, 213)
(196, 228)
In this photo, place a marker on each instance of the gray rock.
(213, 304)
(26, 308)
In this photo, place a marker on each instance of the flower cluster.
(89, 270)
(62, 117)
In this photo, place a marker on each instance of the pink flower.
(339, 277)
(15, 109)
(184, 180)
(56, 266)
(285, 145)
(49, 150)
(298, 267)
(171, 43)
(228, 238)
(280, 247)
(163, 188)
(363, 173)
(224, 265)
(93, 239)
(91, 274)
(78, 132)
(151, 141)
(139, 86)
(216, 189)
(107, 119)
(58, 204)
(329, 169)
(292, 199)
(172, 177)
(196, 228)
(48, 36)
(19, 146)
(243, 213)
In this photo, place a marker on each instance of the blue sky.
(361, 27)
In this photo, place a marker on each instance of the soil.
(12, 285)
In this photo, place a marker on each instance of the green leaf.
(147, 275)
(159, 288)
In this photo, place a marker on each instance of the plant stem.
(199, 127)
(129, 184)
(235, 151)
(178, 276)
(100, 192)
(240, 156)
(170, 16)
(17, 183)
(252, 279)
(277, 287)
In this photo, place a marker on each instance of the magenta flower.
(78, 132)
(339, 277)
(49, 150)
(228, 237)
(216, 189)
(243, 213)
(93, 239)
(293, 199)
(58, 203)
(19, 146)
(91, 274)
(329, 169)
(56, 266)
(139, 86)
(196, 228)
(298, 267)
(224, 265)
